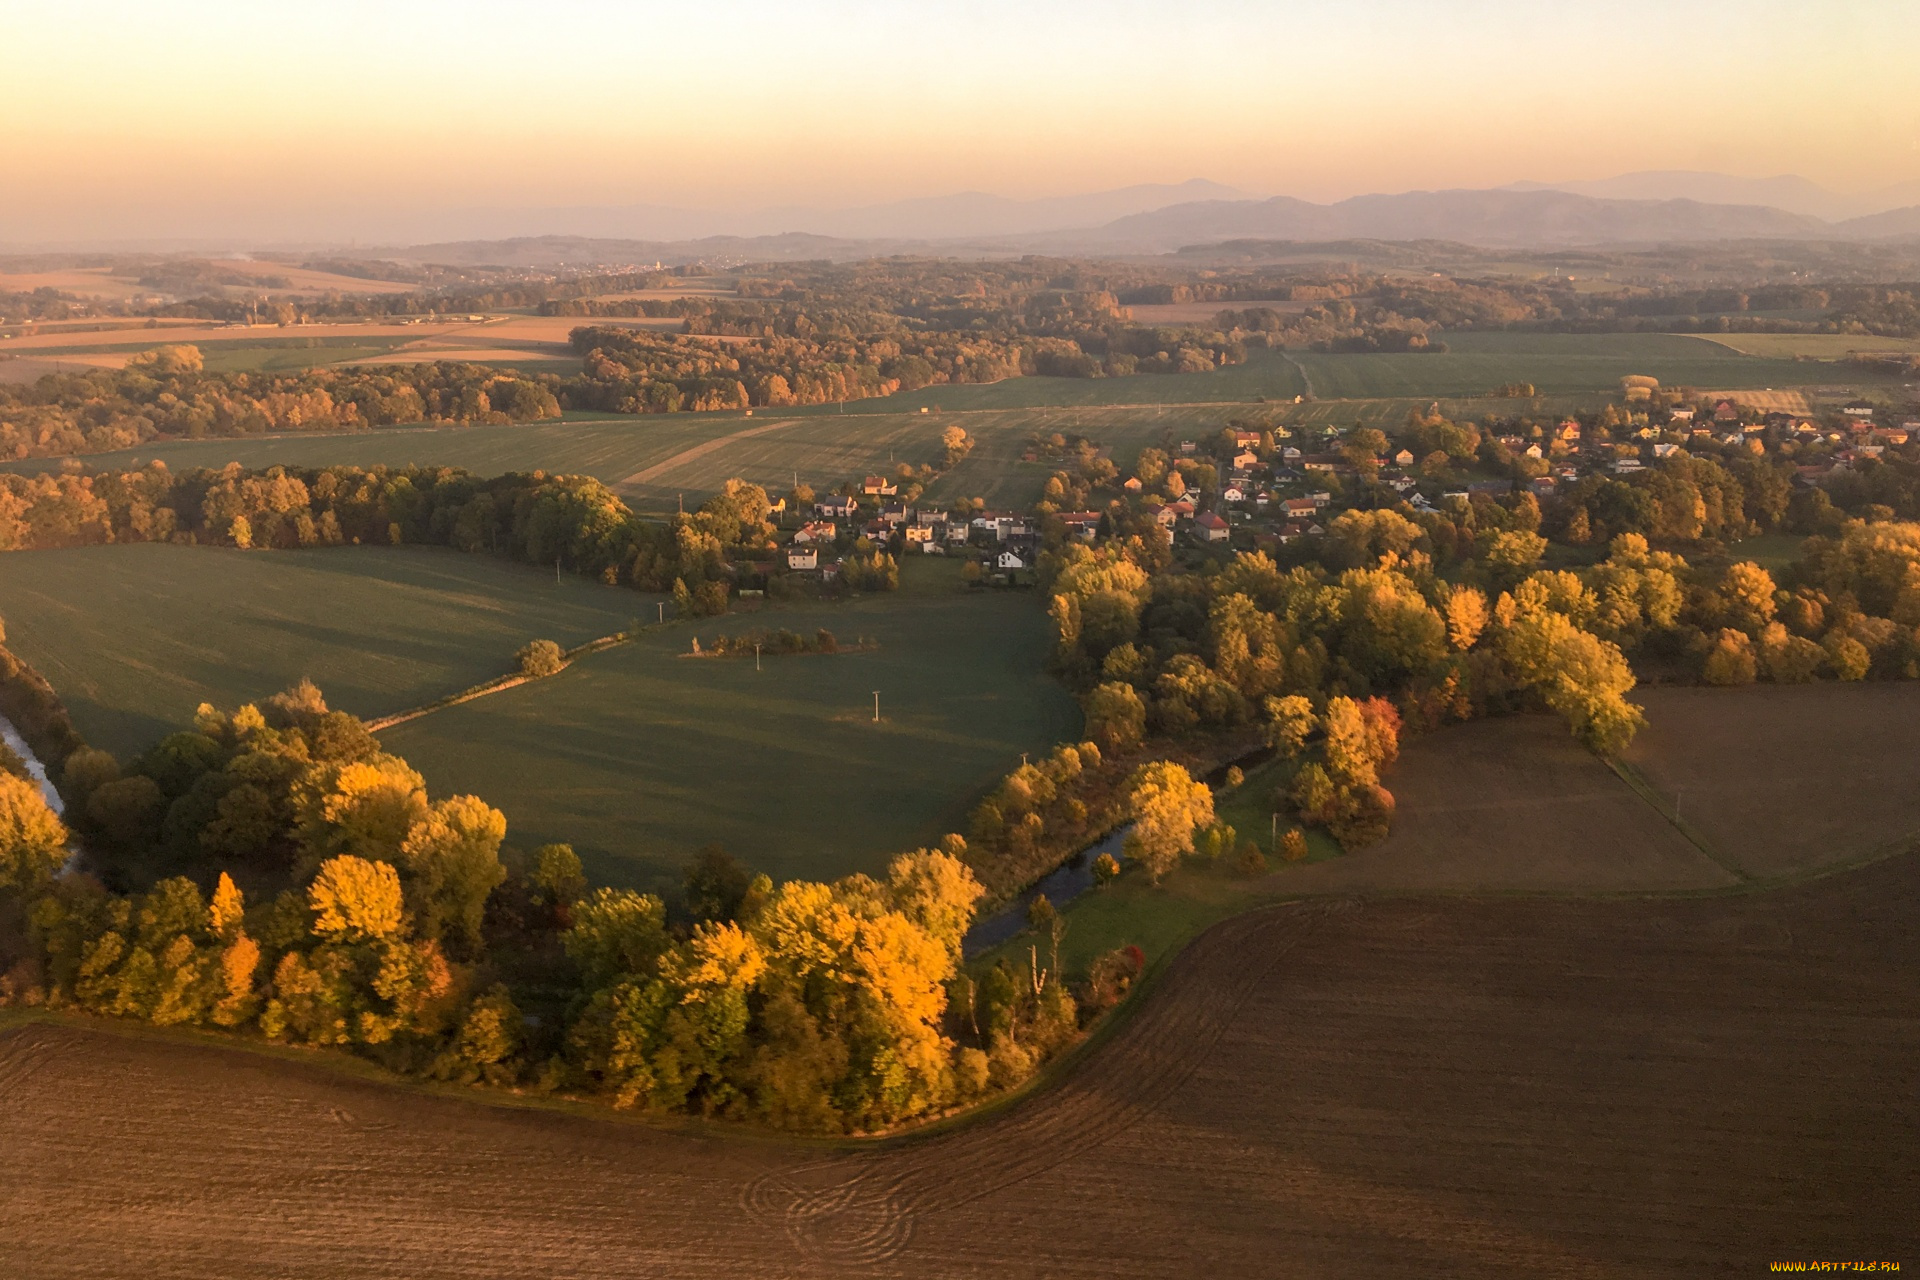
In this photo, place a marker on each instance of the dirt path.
(658, 469)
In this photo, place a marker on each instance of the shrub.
(540, 658)
(1293, 845)
(1250, 861)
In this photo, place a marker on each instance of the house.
(932, 519)
(1857, 409)
(895, 513)
(1535, 451)
(801, 558)
(1543, 486)
(1082, 524)
(1726, 411)
(1246, 439)
(1568, 431)
(839, 508)
(1302, 508)
(1263, 498)
(1419, 503)
(1209, 527)
(1008, 562)
(1246, 458)
(1680, 415)
(1233, 493)
(1182, 508)
(1133, 484)
(1404, 458)
(1321, 498)
(816, 531)
(919, 533)
(1188, 446)
(879, 486)
(1290, 454)
(1164, 516)
(1665, 449)
(1622, 466)
(878, 532)
(956, 532)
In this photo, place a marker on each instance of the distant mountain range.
(1500, 219)
(1655, 207)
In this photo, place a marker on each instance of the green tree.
(1116, 718)
(451, 861)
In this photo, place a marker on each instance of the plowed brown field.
(1496, 1088)
(1461, 1085)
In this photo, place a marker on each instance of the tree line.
(274, 871)
(167, 394)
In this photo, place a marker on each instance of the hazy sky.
(282, 116)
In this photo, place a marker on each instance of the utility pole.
(876, 706)
(756, 657)
(663, 611)
(1273, 838)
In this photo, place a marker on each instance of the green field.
(1812, 346)
(657, 461)
(639, 756)
(1556, 363)
(133, 638)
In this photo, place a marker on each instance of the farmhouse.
(1082, 524)
(816, 531)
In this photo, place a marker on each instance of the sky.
(349, 120)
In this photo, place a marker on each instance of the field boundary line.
(1658, 802)
(512, 680)
(648, 474)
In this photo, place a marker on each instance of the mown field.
(1484, 1087)
(639, 755)
(1811, 346)
(133, 638)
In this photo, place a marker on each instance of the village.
(1262, 487)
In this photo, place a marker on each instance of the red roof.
(1208, 520)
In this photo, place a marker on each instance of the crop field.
(499, 338)
(1499, 1087)
(1821, 774)
(1811, 346)
(1557, 364)
(638, 756)
(133, 638)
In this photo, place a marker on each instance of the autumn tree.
(33, 840)
(1168, 806)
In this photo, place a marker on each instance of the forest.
(166, 394)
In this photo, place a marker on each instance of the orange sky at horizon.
(307, 118)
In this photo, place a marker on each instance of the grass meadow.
(639, 755)
(133, 638)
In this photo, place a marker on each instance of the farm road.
(1470, 1087)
